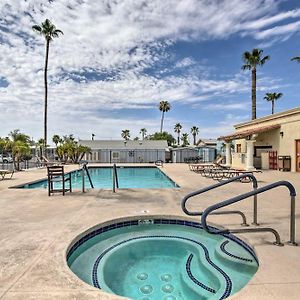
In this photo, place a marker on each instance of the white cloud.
(116, 42)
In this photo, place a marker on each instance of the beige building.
(260, 143)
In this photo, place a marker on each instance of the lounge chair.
(4, 173)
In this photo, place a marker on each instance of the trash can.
(284, 163)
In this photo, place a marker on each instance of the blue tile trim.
(222, 247)
(228, 281)
(191, 276)
(157, 221)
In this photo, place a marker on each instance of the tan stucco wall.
(285, 145)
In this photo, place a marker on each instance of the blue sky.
(118, 59)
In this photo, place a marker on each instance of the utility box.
(284, 163)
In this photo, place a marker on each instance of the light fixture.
(281, 133)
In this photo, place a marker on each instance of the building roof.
(207, 141)
(277, 117)
(246, 133)
(122, 144)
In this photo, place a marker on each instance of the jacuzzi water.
(162, 259)
(128, 177)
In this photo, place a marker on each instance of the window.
(238, 148)
(115, 155)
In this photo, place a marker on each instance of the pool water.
(162, 259)
(128, 177)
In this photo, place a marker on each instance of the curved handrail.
(115, 178)
(260, 190)
(211, 187)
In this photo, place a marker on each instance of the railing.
(115, 178)
(84, 169)
(217, 185)
(238, 198)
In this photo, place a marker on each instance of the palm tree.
(164, 106)
(273, 97)
(296, 58)
(194, 132)
(125, 134)
(177, 129)
(49, 31)
(252, 60)
(143, 132)
(185, 140)
(56, 139)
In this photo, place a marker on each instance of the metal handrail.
(84, 168)
(217, 185)
(238, 198)
(115, 178)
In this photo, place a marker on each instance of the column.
(250, 153)
(228, 154)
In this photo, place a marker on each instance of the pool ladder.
(211, 209)
(85, 169)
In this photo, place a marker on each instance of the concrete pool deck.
(36, 230)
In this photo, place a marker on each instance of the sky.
(118, 59)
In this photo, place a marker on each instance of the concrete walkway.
(35, 231)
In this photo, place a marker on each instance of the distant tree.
(164, 106)
(56, 139)
(194, 132)
(185, 139)
(296, 58)
(163, 136)
(49, 31)
(143, 132)
(273, 97)
(93, 135)
(125, 134)
(136, 138)
(177, 129)
(252, 60)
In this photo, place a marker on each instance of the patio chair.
(56, 175)
(4, 173)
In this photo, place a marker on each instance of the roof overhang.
(247, 133)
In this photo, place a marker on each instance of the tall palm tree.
(296, 58)
(164, 106)
(125, 134)
(177, 129)
(185, 140)
(194, 132)
(273, 97)
(252, 60)
(143, 132)
(49, 31)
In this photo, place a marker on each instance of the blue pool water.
(129, 177)
(162, 259)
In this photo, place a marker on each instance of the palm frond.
(296, 58)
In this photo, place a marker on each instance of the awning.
(246, 133)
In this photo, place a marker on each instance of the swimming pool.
(162, 258)
(129, 177)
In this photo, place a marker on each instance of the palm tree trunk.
(162, 121)
(194, 138)
(273, 106)
(254, 94)
(46, 95)
(178, 138)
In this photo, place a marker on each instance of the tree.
(177, 129)
(56, 139)
(273, 97)
(296, 58)
(49, 31)
(252, 60)
(125, 134)
(185, 139)
(194, 132)
(143, 132)
(164, 106)
(163, 136)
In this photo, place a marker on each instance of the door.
(298, 156)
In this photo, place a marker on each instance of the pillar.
(250, 154)
(228, 154)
